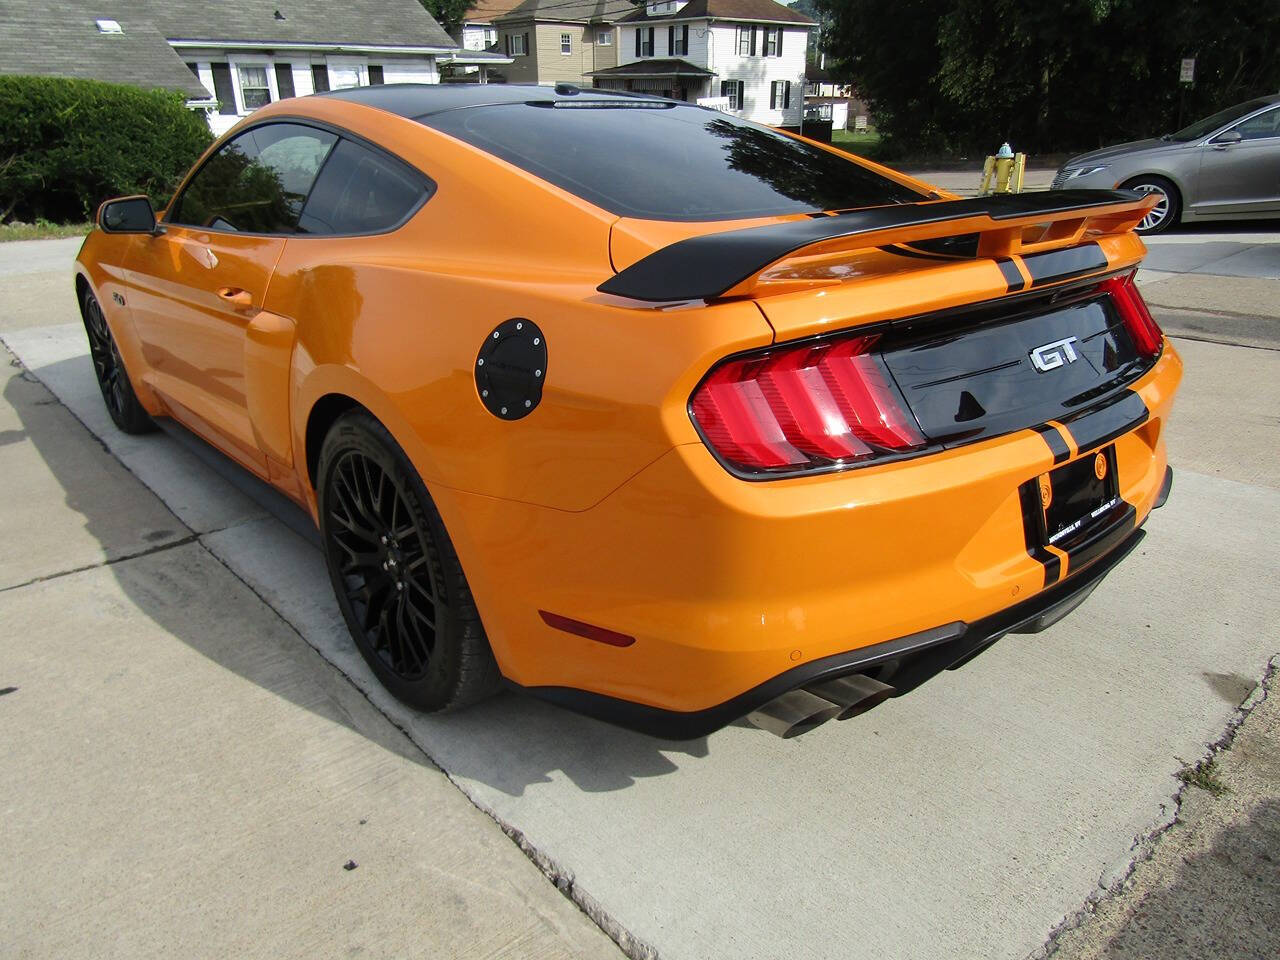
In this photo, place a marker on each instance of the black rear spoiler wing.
(723, 264)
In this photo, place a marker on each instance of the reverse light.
(1137, 318)
(811, 406)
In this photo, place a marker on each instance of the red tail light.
(805, 407)
(1137, 318)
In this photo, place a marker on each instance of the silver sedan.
(1224, 167)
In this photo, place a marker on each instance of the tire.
(1169, 209)
(423, 638)
(108, 366)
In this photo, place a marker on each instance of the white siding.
(715, 46)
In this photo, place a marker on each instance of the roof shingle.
(766, 11)
(571, 11)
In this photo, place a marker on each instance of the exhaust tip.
(793, 713)
(853, 694)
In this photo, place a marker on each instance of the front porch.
(672, 78)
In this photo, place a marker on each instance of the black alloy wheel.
(397, 578)
(382, 557)
(108, 366)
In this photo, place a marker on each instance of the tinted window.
(1202, 128)
(669, 161)
(361, 191)
(1261, 127)
(257, 182)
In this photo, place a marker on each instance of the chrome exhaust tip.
(853, 694)
(793, 713)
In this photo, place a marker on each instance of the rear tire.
(108, 366)
(1166, 213)
(396, 575)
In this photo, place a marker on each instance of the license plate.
(1078, 495)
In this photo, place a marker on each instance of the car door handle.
(237, 298)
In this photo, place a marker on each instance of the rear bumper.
(734, 591)
(922, 655)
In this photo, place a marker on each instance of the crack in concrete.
(110, 561)
(1143, 847)
(561, 878)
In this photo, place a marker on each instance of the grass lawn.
(42, 230)
(863, 144)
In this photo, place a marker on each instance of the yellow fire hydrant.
(1003, 172)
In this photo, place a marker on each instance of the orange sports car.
(660, 415)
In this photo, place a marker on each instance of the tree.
(963, 75)
(448, 13)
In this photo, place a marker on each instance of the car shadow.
(509, 742)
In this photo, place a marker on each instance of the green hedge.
(67, 145)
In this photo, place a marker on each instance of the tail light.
(807, 407)
(1137, 318)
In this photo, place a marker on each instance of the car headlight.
(1079, 172)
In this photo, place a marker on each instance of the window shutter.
(506, 37)
(786, 96)
(375, 75)
(320, 77)
(671, 41)
(742, 95)
(773, 95)
(526, 44)
(684, 40)
(637, 42)
(753, 41)
(222, 88)
(284, 80)
(778, 47)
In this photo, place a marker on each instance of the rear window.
(664, 161)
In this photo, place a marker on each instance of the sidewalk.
(185, 776)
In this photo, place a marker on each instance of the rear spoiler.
(727, 264)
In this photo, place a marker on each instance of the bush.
(67, 145)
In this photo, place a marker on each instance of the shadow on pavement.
(510, 742)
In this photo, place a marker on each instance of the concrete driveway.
(968, 819)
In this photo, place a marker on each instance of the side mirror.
(1226, 138)
(128, 215)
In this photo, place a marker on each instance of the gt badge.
(1050, 356)
(1046, 491)
(1100, 466)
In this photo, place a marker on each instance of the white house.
(244, 54)
(747, 55)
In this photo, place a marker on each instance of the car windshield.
(659, 160)
(1202, 128)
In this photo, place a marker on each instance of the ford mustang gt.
(657, 414)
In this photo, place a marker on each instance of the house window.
(678, 40)
(733, 89)
(644, 42)
(255, 91)
(566, 44)
(345, 75)
(773, 41)
(746, 41)
(605, 38)
(517, 44)
(490, 36)
(780, 95)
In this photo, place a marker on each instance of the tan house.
(554, 41)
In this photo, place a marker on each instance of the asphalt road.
(970, 818)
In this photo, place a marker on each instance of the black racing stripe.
(1100, 542)
(1012, 275)
(904, 251)
(1095, 428)
(1033, 532)
(1058, 446)
(1054, 265)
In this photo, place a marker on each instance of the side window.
(257, 182)
(1260, 127)
(361, 191)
